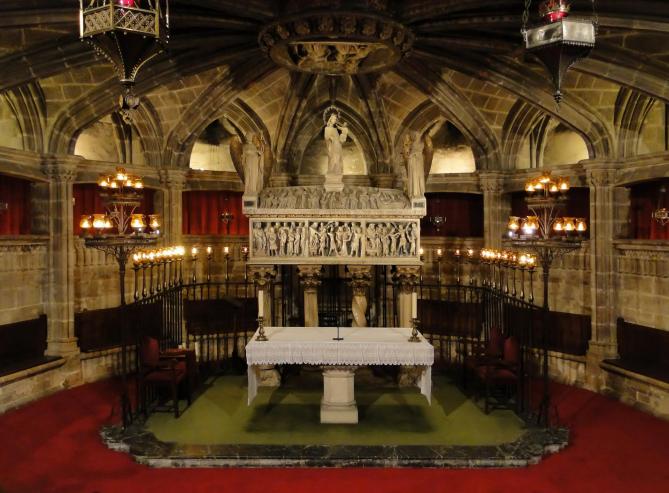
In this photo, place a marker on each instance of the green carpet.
(289, 415)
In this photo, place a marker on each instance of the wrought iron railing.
(216, 320)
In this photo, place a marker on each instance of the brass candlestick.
(261, 330)
(414, 331)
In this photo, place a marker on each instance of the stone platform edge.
(146, 449)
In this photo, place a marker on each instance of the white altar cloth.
(361, 346)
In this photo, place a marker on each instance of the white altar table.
(361, 346)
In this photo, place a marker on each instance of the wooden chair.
(162, 371)
(483, 353)
(502, 374)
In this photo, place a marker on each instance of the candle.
(414, 305)
(226, 250)
(261, 304)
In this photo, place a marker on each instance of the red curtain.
(16, 193)
(463, 213)
(577, 205)
(87, 200)
(202, 211)
(645, 198)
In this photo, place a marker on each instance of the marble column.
(494, 217)
(263, 277)
(603, 225)
(174, 181)
(361, 277)
(61, 340)
(310, 275)
(407, 278)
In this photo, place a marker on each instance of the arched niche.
(653, 135)
(211, 150)
(452, 153)
(315, 157)
(564, 146)
(10, 130)
(109, 139)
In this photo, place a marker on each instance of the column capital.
(601, 174)
(407, 277)
(361, 278)
(491, 181)
(262, 275)
(63, 171)
(310, 275)
(173, 178)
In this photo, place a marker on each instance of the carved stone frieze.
(334, 239)
(316, 197)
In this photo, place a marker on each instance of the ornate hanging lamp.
(560, 40)
(128, 33)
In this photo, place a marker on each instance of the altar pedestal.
(338, 403)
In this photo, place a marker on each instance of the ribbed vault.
(463, 52)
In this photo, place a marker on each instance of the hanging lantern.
(560, 41)
(128, 33)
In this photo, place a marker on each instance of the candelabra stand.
(209, 265)
(440, 257)
(193, 260)
(245, 257)
(120, 247)
(261, 330)
(458, 267)
(226, 257)
(414, 331)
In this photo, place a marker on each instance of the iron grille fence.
(216, 320)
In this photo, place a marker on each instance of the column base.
(598, 352)
(338, 404)
(65, 348)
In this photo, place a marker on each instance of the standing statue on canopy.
(335, 135)
(413, 147)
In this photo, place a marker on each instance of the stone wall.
(23, 269)
(96, 279)
(644, 393)
(643, 282)
(17, 389)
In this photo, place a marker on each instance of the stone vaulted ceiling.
(467, 66)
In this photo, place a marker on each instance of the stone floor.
(397, 428)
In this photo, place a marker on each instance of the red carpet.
(53, 446)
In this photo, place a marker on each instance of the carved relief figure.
(334, 239)
(314, 197)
